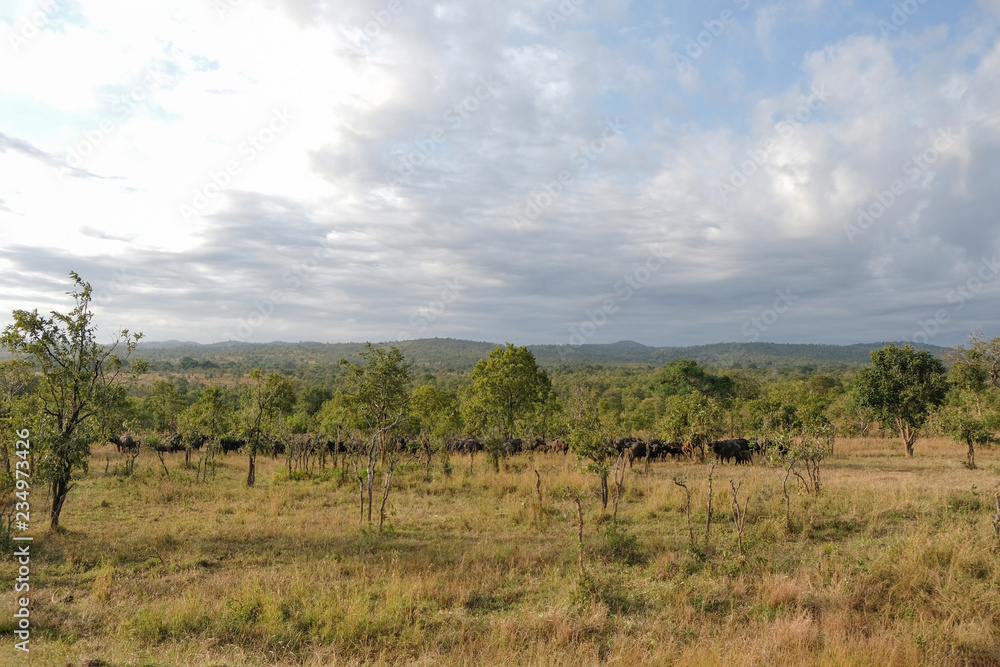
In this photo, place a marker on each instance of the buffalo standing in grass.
(229, 444)
(737, 449)
(125, 443)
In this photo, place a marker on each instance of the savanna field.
(894, 562)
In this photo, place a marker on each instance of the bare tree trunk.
(971, 456)
(385, 490)
(159, 455)
(252, 473)
(908, 435)
(60, 488)
(579, 514)
(687, 495)
(708, 522)
(619, 480)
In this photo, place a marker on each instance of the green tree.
(958, 419)
(900, 387)
(435, 418)
(507, 388)
(692, 417)
(17, 394)
(685, 376)
(590, 434)
(961, 416)
(78, 382)
(378, 390)
(263, 403)
(164, 404)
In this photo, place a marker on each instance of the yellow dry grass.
(894, 563)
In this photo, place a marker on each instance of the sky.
(538, 172)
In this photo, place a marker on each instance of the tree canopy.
(80, 379)
(901, 386)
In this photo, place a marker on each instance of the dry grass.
(892, 564)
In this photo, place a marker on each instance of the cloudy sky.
(674, 173)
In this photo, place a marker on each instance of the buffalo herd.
(738, 450)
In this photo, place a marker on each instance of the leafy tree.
(982, 357)
(767, 416)
(164, 404)
(312, 399)
(685, 376)
(435, 417)
(78, 382)
(379, 397)
(692, 417)
(263, 403)
(850, 414)
(900, 387)
(590, 435)
(17, 385)
(213, 415)
(957, 418)
(961, 416)
(507, 389)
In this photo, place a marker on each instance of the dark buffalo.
(737, 449)
(176, 444)
(125, 443)
(336, 447)
(623, 444)
(558, 446)
(637, 450)
(660, 450)
(229, 444)
(467, 446)
(513, 446)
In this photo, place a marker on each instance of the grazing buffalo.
(623, 444)
(659, 450)
(558, 446)
(229, 444)
(125, 443)
(467, 446)
(336, 447)
(513, 446)
(737, 449)
(636, 450)
(175, 444)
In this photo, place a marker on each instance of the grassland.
(893, 563)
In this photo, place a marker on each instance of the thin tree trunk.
(59, 490)
(971, 456)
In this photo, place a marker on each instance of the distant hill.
(461, 355)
